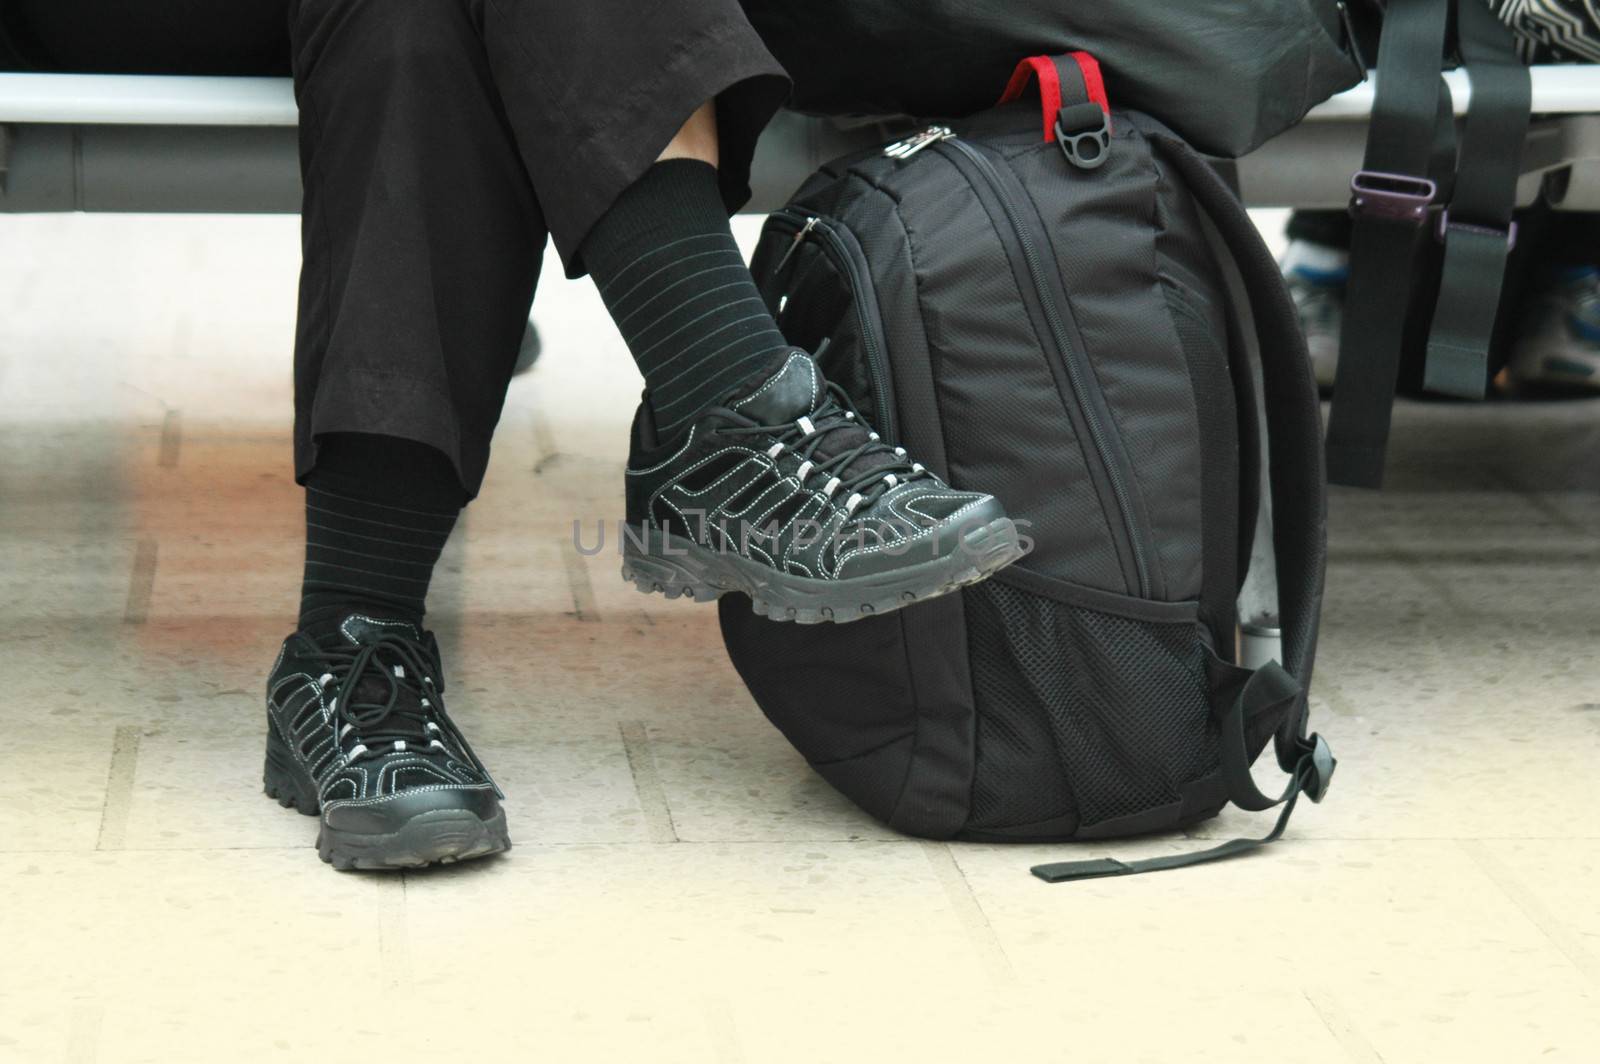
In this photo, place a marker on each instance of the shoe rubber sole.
(439, 836)
(676, 567)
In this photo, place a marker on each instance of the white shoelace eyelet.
(775, 450)
(833, 486)
(851, 504)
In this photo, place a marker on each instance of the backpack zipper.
(1079, 373)
(863, 296)
(905, 149)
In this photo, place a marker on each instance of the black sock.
(672, 277)
(378, 512)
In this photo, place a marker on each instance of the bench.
(93, 142)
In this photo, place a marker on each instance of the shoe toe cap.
(382, 816)
(951, 507)
(942, 520)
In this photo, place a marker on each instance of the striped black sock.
(378, 513)
(672, 277)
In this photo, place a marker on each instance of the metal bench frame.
(93, 142)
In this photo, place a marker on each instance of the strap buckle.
(1088, 148)
(1509, 233)
(1391, 197)
(1318, 764)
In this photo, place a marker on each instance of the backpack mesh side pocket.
(1123, 703)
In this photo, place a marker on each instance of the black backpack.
(1047, 318)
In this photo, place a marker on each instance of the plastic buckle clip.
(1509, 233)
(1391, 197)
(1321, 762)
(1088, 148)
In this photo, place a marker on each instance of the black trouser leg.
(595, 90)
(438, 139)
(422, 236)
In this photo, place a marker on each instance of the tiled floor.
(682, 888)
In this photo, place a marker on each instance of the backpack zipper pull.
(794, 245)
(905, 149)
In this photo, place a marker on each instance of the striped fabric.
(1553, 31)
(367, 556)
(678, 289)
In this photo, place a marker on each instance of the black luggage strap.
(1076, 111)
(1409, 150)
(1299, 507)
(1266, 692)
(1477, 228)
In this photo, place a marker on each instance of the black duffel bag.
(1262, 63)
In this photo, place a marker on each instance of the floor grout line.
(1338, 1022)
(969, 911)
(583, 601)
(393, 941)
(1554, 929)
(723, 1031)
(544, 442)
(119, 789)
(647, 782)
(141, 583)
(83, 1031)
(171, 439)
(1541, 502)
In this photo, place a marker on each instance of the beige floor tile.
(180, 956)
(58, 801)
(1406, 948)
(739, 783)
(710, 917)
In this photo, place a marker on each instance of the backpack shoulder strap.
(1299, 510)
(1477, 227)
(1293, 412)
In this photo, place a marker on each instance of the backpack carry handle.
(1073, 103)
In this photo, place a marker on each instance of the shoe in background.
(1316, 275)
(1557, 345)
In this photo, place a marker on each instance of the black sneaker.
(786, 495)
(357, 732)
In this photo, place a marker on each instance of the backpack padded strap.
(1293, 412)
(1412, 126)
(1477, 228)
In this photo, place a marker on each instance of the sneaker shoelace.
(384, 696)
(837, 416)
